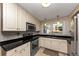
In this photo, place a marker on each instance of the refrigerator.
(76, 35)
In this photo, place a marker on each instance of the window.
(47, 28)
(57, 27)
(53, 28)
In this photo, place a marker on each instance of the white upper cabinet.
(14, 18)
(21, 19)
(9, 17)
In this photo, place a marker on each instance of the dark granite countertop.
(51, 35)
(10, 44)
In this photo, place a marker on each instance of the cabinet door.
(9, 17)
(48, 43)
(41, 42)
(23, 50)
(21, 19)
(45, 42)
(11, 52)
(59, 45)
(54, 44)
(27, 49)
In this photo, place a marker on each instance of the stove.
(33, 43)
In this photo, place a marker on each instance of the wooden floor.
(46, 52)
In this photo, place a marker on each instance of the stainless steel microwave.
(30, 27)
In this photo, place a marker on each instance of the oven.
(34, 45)
(30, 32)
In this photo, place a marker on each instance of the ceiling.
(51, 12)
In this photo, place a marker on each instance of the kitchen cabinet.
(23, 50)
(13, 18)
(59, 45)
(45, 42)
(41, 42)
(2, 51)
(9, 17)
(53, 44)
(21, 19)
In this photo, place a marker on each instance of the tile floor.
(46, 52)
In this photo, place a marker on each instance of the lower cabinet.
(2, 51)
(23, 50)
(53, 44)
